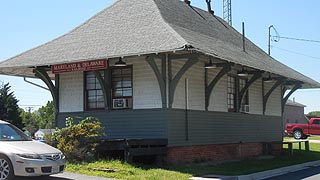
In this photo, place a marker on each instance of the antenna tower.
(227, 11)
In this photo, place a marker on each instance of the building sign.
(79, 66)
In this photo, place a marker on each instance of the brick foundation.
(213, 152)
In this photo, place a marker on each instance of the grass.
(314, 138)
(126, 171)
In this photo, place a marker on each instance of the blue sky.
(26, 24)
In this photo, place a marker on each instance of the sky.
(27, 24)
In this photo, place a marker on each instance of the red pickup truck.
(303, 131)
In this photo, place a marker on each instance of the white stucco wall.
(146, 91)
(195, 76)
(255, 98)
(273, 107)
(71, 92)
(218, 98)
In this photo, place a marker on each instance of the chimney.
(209, 7)
(187, 2)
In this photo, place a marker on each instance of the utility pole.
(276, 38)
(29, 109)
(269, 39)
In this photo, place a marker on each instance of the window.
(122, 87)
(231, 93)
(94, 94)
(316, 121)
(236, 84)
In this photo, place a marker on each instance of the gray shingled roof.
(149, 26)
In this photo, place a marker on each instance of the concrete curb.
(263, 174)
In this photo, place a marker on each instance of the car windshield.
(9, 132)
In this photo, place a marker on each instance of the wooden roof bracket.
(256, 75)
(173, 81)
(226, 68)
(42, 74)
(106, 89)
(161, 76)
(279, 82)
(297, 86)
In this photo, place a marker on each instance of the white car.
(22, 156)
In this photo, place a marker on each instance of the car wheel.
(297, 134)
(6, 170)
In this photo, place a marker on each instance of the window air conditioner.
(119, 103)
(244, 108)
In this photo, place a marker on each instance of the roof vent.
(209, 7)
(187, 2)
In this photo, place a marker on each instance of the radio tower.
(227, 11)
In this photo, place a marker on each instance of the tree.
(9, 109)
(43, 118)
(47, 116)
(30, 121)
(314, 113)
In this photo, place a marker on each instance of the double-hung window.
(93, 93)
(231, 98)
(121, 78)
(235, 85)
(242, 84)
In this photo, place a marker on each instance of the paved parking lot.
(64, 176)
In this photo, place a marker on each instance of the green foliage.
(43, 118)
(314, 113)
(46, 115)
(30, 121)
(78, 142)
(9, 109)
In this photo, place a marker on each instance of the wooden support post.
(161, 77)
(192, 59)
(255, 77)
(209, 88)
(285, 99)
(266, 96)
(106, 89)
(42, 74)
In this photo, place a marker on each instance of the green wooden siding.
(221, 128)
(121, 124)
(204, 127)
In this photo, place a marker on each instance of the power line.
(295, 52)
(296, 39)
(30, 105)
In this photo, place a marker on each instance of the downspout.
(186, 108)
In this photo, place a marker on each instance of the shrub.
(78, 142)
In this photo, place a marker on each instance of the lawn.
(126, 171)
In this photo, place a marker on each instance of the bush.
(78, 142)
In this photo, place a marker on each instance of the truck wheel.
(297, 134)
